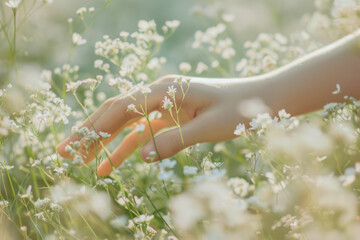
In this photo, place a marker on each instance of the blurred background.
(44, 38)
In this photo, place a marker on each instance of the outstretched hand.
(207, 114)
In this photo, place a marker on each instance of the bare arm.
(307, 84)
(209, 111)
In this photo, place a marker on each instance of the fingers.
(170, 142)
(90, 152)
(117, 117)
(131, 142)
(113, 116)
(88, 123)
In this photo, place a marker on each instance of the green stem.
(14, 44)
(7, 36)
(158, 213)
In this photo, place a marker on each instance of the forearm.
(306, 84)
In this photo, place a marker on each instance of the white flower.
(140, 127)
(261, 121)
(338, 90)
(143, 218)
(46, 75)
(166, 175)
(146, 25)
(6, 167)
(119, 222)
(28, 193)
(215, 64)
(131, 107)
(283, 114)
(122, 200)
(77, 39)
(4, 203)
(240, 130)
(40, 203)
(185, 67)
(320, 159)
(56, 207)
(36, 163)
(40, 216)
(78, 160)
(139, 235)
(145, 90)
(201, 67)
(98, 63)
(81, 11)
(239, 186)
(14, 4)
(167, 164)
(167, 104)
(268, 63)
(190, 170)
(228, 53)
(104, 134)
(241, 65)
(187, 210)
(72, 86)
(124, 34)
(172, 24)
(171, 91)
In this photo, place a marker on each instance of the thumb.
(166, 145)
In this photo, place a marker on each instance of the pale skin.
(210, 109)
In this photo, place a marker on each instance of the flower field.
(281, 177)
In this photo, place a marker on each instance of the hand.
(208, 114)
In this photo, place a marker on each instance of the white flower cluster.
(133, 54)
(91, 82)
(212, 201)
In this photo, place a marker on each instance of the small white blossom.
(78, 160)
(167, 104)
(41, 203)
(91, 10)
(40, 216)
(131, 107)
(140, 128)
(201, 67)
(283, 114)
(172, 24)
(145, 90)
(104, 134)
(81, 11)
(190, 170)
(171, 91)
(77, 39)
(14, 4)
(185, 67)
(143, 218)
(338, 90)
(167, 163)
(240, 130)
(4, 203)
